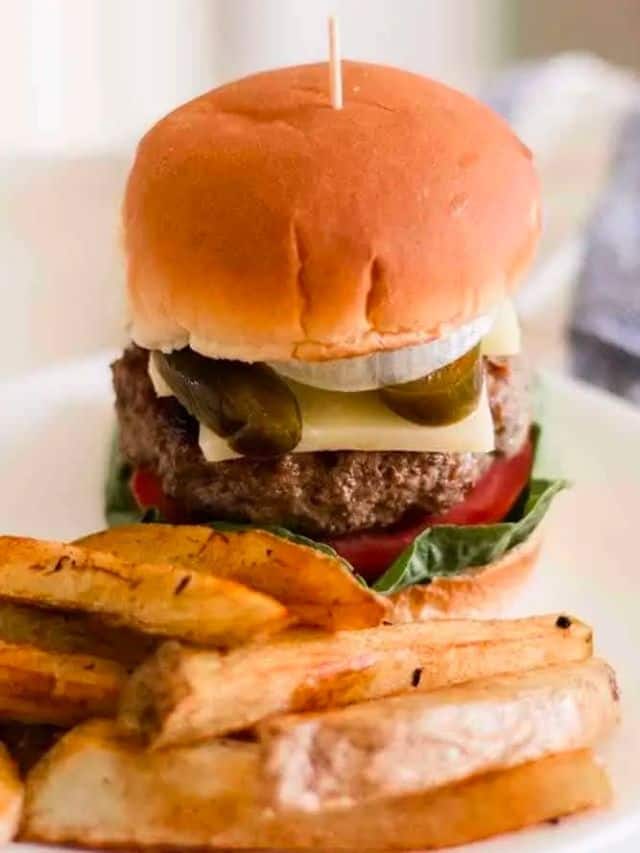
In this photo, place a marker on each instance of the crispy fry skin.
(406, 744)
(181, 694)
(62, 689)
(96, 788)
(173, 796)
(315, 587)
(154, 598)
(72, 633)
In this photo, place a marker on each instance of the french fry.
(50, 687)
(153, 598)
(315, 587)
(11, 797)
(180, 695)
(80, 790)
(96, 788)
(72, 633)
(407, 744)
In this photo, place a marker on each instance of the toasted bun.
(261, 223)
(475, 593)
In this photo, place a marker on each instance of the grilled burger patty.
(326, 493)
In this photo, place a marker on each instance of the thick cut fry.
(406, 744)
(98, 789)
(181, 695)
(73, 633)
(152, 598)
(317, 588)
(49, 687)
(11, 796)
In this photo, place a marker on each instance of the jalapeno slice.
(248, 404)
(443, 397)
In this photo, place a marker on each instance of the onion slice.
(367, 372)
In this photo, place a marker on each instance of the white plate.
(54, 434)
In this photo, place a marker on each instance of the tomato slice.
(147, 490)
(372, 551)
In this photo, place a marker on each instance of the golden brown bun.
(260, 223)
(468, 595)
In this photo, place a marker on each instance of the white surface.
(54, 434)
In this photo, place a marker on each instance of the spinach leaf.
(449, 549)
(120, 505)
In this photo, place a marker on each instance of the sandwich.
(324, 342)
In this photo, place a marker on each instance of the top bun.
(261, 223)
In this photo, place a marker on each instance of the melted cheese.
(503, 338)
(360, 421)
(160, 385)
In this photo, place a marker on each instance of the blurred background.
(82, 79)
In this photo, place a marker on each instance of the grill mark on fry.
(132, 583)
(182, 584)
(68, 562)
(213, 535)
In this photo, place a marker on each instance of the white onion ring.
(366, 372)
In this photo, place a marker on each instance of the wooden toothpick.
(335, 64)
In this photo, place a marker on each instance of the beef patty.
(326, 493)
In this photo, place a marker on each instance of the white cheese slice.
(160, 386)
(360, 421)
(503, 338)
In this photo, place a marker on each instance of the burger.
(323, 339)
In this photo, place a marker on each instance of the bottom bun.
(481, 591)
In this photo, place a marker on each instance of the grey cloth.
(547, 101)
(605, 322)
(511, 87)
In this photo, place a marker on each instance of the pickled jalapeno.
(247, 404)
(443, 397)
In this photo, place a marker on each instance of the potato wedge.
(153, 598)
(180, 695)
(406, 744)
(11, 796)
(97, 789)
(317, 588)
(62, 689)
(72, 633)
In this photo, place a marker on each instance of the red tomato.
(147, 490)
(489, 502)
